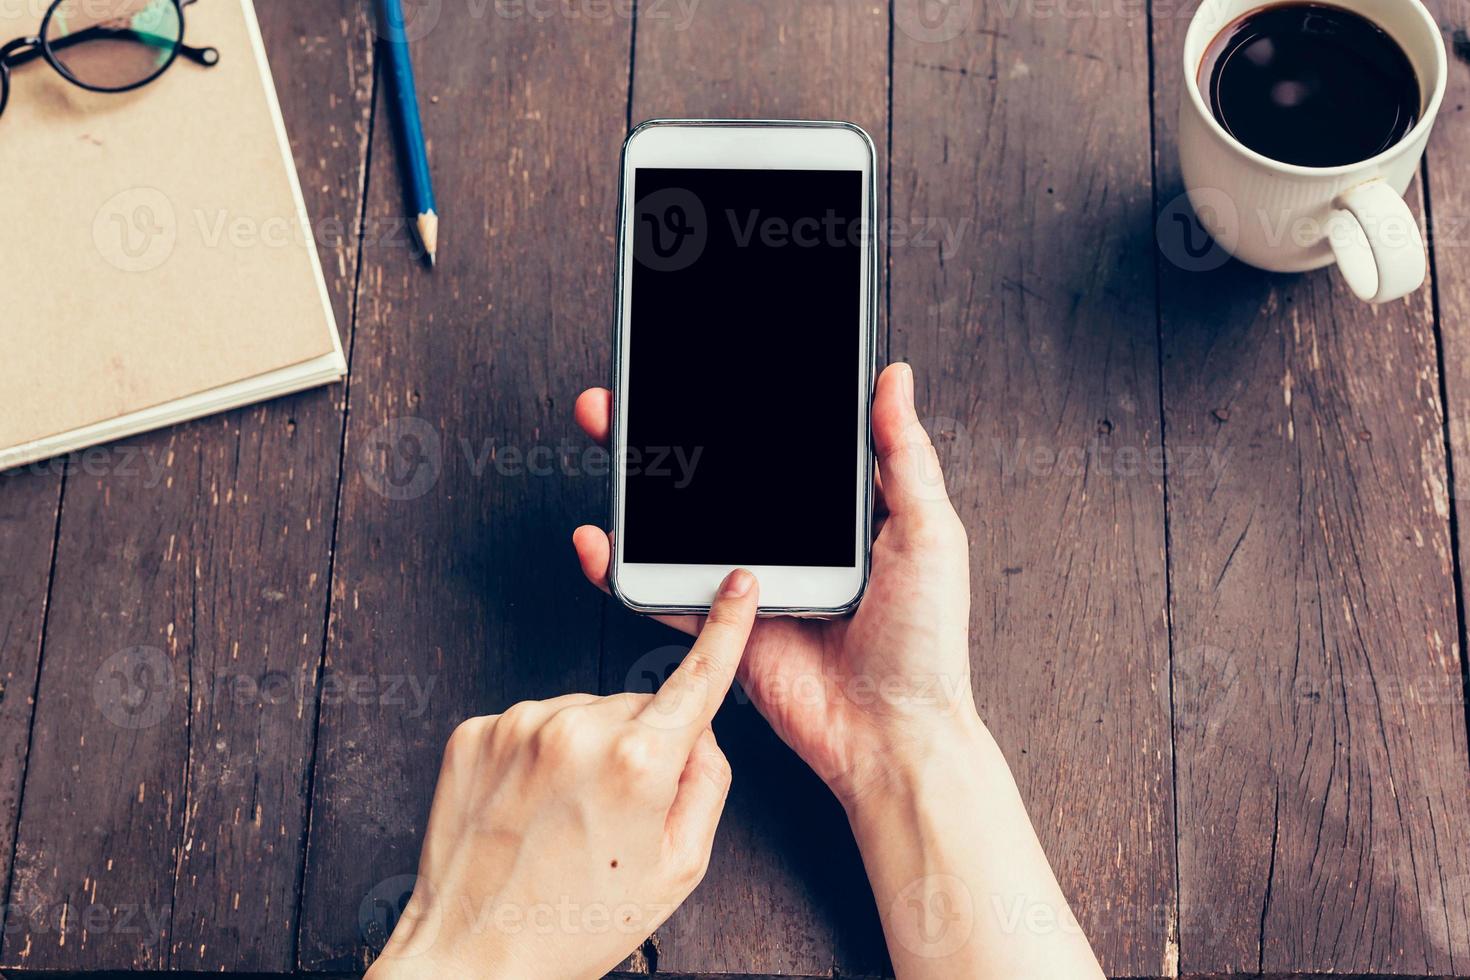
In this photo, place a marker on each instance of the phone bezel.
(747, 144)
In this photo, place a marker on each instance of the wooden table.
(1232, 687)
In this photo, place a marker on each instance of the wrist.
(958, 758)
(392, 968)
(425, 968)
(400, 962)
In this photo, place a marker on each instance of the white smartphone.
(743, 369)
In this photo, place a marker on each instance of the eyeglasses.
(106, 45)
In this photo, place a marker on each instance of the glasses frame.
(24, 50)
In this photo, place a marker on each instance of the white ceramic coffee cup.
(1288, 218)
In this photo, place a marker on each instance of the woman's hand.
(861, 699)
(880, 706)
(564, 832)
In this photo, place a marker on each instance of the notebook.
(156, 260)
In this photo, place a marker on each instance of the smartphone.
(743, 365)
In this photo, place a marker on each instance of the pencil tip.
(429, 235)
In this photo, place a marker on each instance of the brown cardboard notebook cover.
(156, 260)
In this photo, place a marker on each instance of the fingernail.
(908, 382)
(736, 584)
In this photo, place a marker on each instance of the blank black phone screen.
(742, 388)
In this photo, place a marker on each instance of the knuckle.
(910, 445)
(468, 735)
(518, 721)
(728, 614)
(691, 867)
(634, 701)
(564, 735)
(916, 438)
(927, 472)
(512, 716)
(721, 772)
(701, 666)
(636, 754)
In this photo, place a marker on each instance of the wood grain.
(165, 827)
(454, 570)
(1449, 213)
(30, 501)
(1449, 236)
(1316, 689)
(1319, 718)
(1025, 132)
(786, 892)
(236, 900)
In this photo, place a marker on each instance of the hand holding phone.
(864, 697)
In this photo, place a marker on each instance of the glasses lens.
(114, 44)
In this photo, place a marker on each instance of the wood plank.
(454, 570)
(164, 815)
(1034, 345)
(785, 893)
(236, 898)
(1449, 226)
(1448, 212)
(1320, 728)
(30, 501)
(1450, 234)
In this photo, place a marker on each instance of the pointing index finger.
(693, 693)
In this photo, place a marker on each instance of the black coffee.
(1310, 84)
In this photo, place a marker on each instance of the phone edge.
(870, 368)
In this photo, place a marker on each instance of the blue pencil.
(411, 144)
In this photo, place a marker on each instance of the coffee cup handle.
(1377, 243)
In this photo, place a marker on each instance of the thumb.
(695, 813)
(913, 481)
